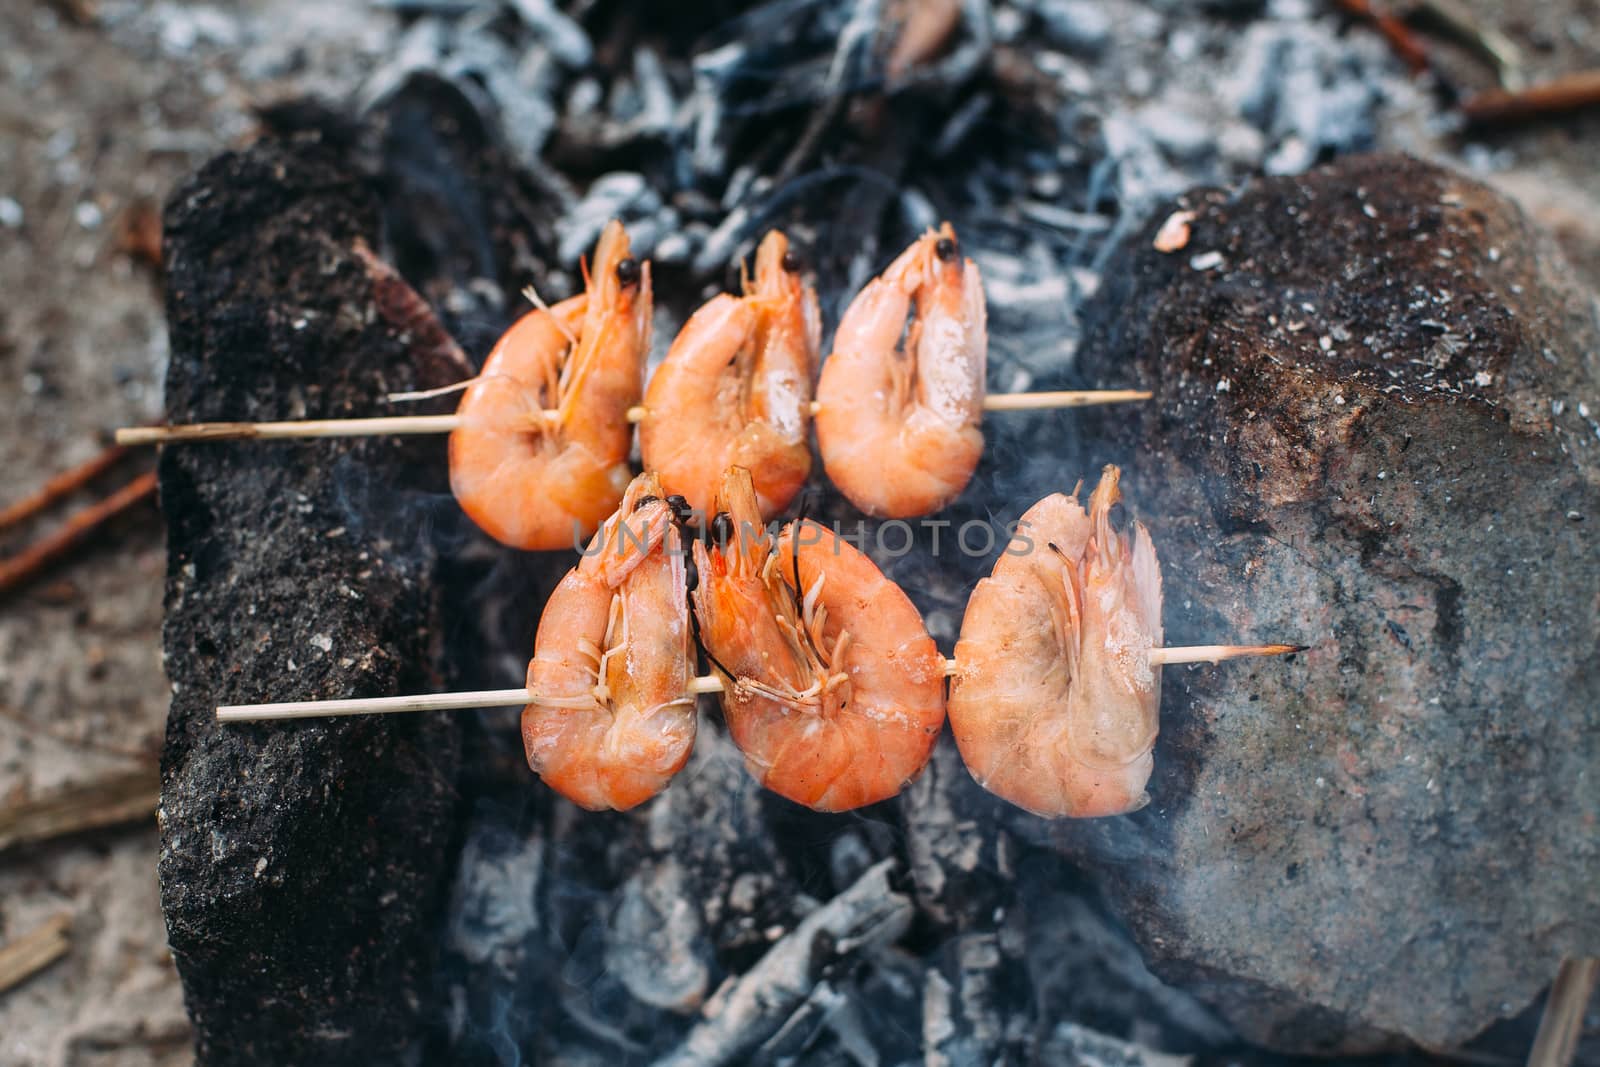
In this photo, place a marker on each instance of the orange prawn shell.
(612, 738)
(538, 484)
(1054, 703)
(864, 741)
(899, 426)
(735, 389)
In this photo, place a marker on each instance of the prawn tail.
(1146, 576)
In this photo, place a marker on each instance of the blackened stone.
(1373, 432)
(301, 862)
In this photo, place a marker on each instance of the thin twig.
(1561, 1026)
(1393, 29)
(34, 951)
(1455, 19)
(123, 798)
(27, 564)
(1567, 93)
(61, 485)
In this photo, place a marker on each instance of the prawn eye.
(680, 507)
(946, 248)
(793, 261)
(628, 272)
(642, 501)
(722, 529)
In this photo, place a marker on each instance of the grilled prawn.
(832, 688)
(612, 717)
(538, 482)
(1054, 701)
(899, 427)
(735, 389)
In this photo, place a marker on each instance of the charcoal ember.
(656, 941)
(299, 861)
(1076, 24)
(1374, 432)
(750, 1008)
(961, 864)
(1092, 972)
(1071, 1043)
(712, 824)
(963, 1016)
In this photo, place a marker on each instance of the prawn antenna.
(799, 521)
(533, 297)
(715, 662)
(794, 555)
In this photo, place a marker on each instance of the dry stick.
(1567, 93)
(33, 559)
(62, 484)
(1394, 30)
(1562, 1023)
(124, 798)
(504, 698)
(419, 424)
(34, 951)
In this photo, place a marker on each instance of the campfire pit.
(401, 888)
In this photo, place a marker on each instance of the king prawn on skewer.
(735, 389)
(1054, 699)
(612, 717)
(898, 426)
(832, 688)
(544, 480)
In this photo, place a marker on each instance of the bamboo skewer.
(503, 698)
(425, 424)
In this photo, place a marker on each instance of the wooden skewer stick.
(420, 424)
(710, 683)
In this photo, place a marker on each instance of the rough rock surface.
(300, 862)
(1374, 432)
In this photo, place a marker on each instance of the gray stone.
(1373, 412)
